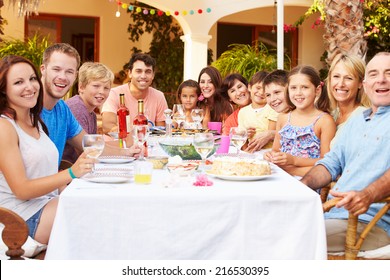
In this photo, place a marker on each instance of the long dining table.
(275, 218)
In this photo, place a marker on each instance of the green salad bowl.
(183, 147)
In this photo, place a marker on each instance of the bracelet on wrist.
(71, 173)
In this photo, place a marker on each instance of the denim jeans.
(33, 222)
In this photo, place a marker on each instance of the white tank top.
(40, 158)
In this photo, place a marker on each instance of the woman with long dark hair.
(29, 177)
(210, 81)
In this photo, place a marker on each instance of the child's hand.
(251, 131)
(257, 143)
(268, 156)
(280, 158)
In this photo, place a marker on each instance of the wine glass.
(178, 114)
(197, 116)
(140, 135)
(204, 144)
(238, 137)
(93, 146)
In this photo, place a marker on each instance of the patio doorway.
(228, 34)
(79, 31)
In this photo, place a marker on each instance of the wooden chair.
(353, 242)
(15, 234)
(325, 191)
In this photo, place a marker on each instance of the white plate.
(113, 134)
(107, 178)
(115, 159)
(239, 178)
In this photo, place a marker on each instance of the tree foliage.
(2, 20)
(377, 26)
(376, 23)
(166, 46)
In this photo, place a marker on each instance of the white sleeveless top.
(40, 158)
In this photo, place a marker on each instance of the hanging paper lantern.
(152, 12)
(208, 10)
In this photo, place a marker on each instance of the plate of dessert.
(240, 168)
(237, 178)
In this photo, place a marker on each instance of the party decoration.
(146, 11)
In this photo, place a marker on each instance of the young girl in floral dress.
(305, 132)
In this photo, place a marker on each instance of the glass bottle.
(123, 115)
(140, 119)
(168, 122)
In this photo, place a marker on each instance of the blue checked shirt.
(361, 155)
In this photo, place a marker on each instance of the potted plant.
(31, 49)
(247, 60)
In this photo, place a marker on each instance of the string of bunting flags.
(146, 11)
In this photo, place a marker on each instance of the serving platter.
(238, 178)
(115, 159)
(111, 178)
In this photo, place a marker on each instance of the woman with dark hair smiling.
(29, 177)
(210, 81)
(234, 89)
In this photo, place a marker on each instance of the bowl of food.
(158, 161)
(176, 165)
(183, 147)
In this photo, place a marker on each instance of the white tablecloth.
(275, 218)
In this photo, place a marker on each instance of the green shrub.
(31, 49)
(247, 60)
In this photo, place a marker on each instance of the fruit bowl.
(183, 147)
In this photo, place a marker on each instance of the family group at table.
(319, 132)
